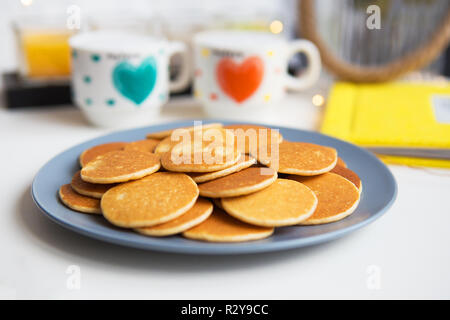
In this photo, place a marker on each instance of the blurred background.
(405, 23)
(177, 20)
(381, 64)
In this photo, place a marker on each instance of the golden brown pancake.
(283, 203)
(299, 158)
(240, 183)
(89, 189)
(201, 210)
(152, 200)
(250, 136)
(198, 139)
(198, 151)
(146, 145)
(338, 197)
(244, 162)
(120, 166)
(341, 162)
(217, 159)
(77, 201)
(92, 153)
(348, 174)
(220, 227)
(165, 145)
(166, 133)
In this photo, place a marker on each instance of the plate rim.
(216, 248)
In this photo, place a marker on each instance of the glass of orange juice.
(43, 47)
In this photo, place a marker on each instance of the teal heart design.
(135, 83)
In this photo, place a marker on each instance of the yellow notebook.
(391, 115)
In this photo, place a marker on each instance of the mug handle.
(312, 72)
(183, 79)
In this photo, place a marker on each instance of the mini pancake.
(89, 189)
(201, 139)
(165, 145)
(341, 162)
(244, 162)
(300, 158)
(166, 133)
(349, 175)
(240, 183)
(190, 166)
(204, 151)
(153, 200)
(120, 166)
(220, 227)
(77, 201)
(146, 145)
(92, 153)
(201, 210)
(247, 133)
(338, 197)
(283, 203)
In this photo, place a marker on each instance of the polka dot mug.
(121, 79)
(244, 73)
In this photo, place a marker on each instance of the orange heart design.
(240, 81)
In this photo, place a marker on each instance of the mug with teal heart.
(121, 79)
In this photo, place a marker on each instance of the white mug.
(121, 79)
(241, 73)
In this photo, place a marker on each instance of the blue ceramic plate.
(379, 192)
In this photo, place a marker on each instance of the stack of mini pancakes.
(213, 183)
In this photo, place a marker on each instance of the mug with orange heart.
(240, 73)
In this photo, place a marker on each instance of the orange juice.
(46, 53)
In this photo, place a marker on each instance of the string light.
(26, 3)
(276, 26)
(318, 100)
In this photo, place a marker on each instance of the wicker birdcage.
(411, 35)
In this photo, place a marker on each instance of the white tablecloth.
(404, 254)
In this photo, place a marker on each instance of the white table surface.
(404, 254)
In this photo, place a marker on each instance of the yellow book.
(391, 115)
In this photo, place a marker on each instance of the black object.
(446, 71)
(21, 92)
